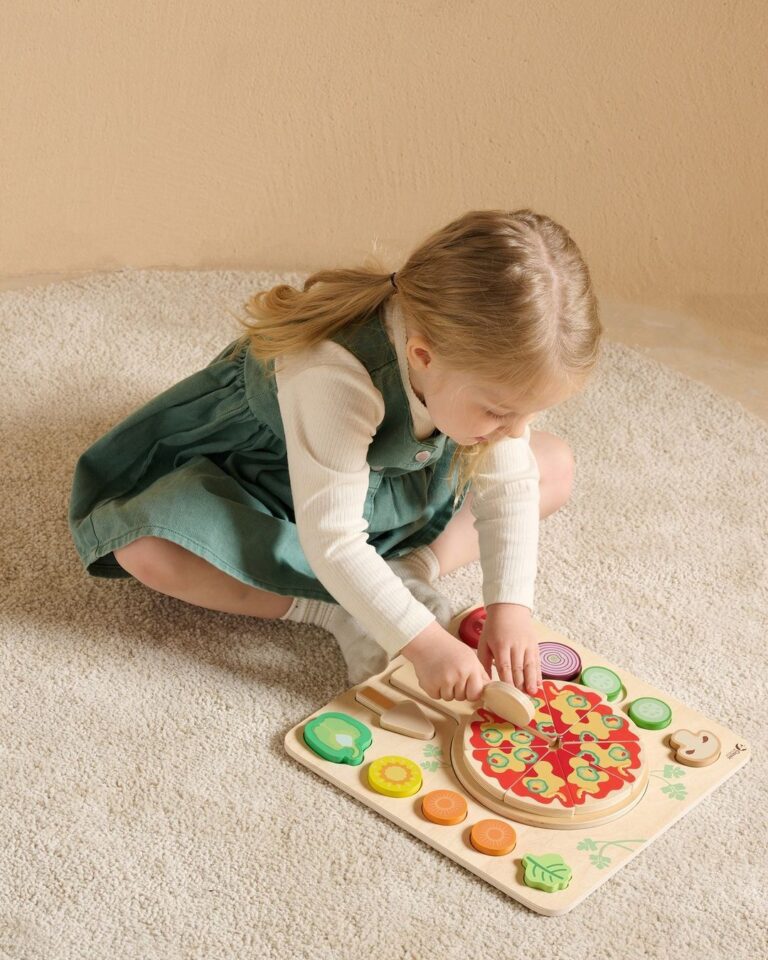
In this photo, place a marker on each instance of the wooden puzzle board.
(594, 853)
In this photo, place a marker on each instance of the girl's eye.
(496, 416)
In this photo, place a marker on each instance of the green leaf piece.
(546, 871)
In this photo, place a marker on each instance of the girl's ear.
(418, 348)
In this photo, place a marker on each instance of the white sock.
(362, 655)
(418, 570)
(304, 610)
(421, 564)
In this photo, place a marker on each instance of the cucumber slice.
(603, 680)
(650, 713)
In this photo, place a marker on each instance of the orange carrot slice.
(494, 837)
(444, 806)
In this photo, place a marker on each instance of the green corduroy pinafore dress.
(204, 465)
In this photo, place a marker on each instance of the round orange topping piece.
(494, 837)
(444, 806)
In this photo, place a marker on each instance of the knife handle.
(374, 699)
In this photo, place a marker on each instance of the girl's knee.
(556, 463)
(564, 470)
(149, 559)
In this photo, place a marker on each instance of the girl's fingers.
(505, 672)
(517, 668)
(486, 658)
(475, 685)
(531, 673)
(503, 666)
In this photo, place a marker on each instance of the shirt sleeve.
(330, 410)
(506, 510)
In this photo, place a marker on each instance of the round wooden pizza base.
(554, 817)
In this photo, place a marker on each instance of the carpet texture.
(147, 806)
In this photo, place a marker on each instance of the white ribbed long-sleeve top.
(330, 410)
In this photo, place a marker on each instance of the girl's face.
(469, 410)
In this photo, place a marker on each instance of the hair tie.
(392, 279)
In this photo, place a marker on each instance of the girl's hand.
(509, 638)
(446, 668)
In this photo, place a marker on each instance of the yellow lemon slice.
(394, 776)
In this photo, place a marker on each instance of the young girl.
(363, 437)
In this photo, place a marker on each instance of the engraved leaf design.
(599, 861)
(676, 791)
(586, 844)
(672, 772)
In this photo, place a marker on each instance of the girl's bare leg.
(169, 568)
(458, 544)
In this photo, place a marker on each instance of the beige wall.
(286, 135)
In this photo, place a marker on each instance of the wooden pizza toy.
(577, 763)
(543, 796)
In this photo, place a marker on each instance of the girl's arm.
(330, 410)
(506, 507)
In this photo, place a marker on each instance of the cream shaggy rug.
(147, 806)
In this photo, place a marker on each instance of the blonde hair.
(503, 295)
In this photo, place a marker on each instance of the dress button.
(422, 455)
